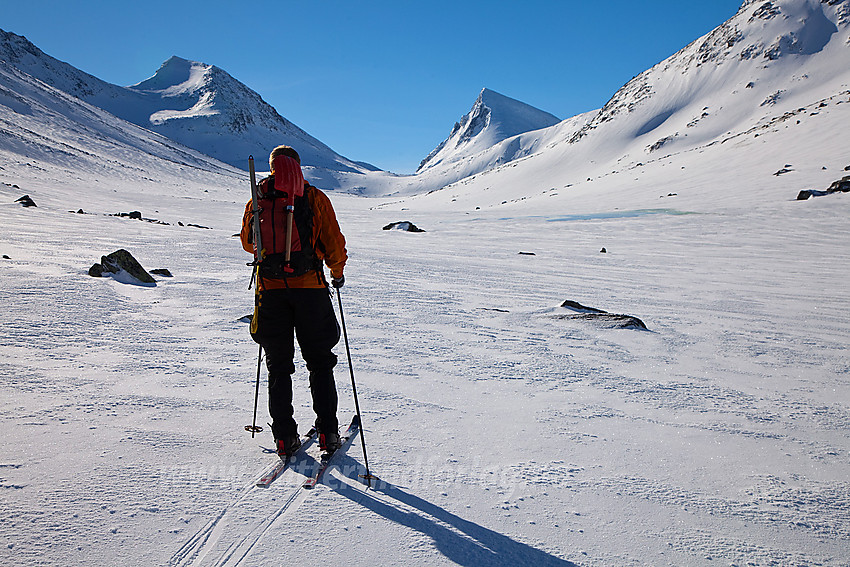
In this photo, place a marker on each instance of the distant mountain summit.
(198, 105)
(492, 119)
(202, 106)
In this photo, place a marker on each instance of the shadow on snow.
(461, 541)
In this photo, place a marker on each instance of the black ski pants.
(308, 315)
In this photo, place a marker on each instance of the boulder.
(26, 201)
(123, 266)
(592, 314)
(806, 193)
(405, 226)
(162, 272)
(840, 186)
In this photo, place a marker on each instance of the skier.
(297, 304)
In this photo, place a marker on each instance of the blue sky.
(379, 81)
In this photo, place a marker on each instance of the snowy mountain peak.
(493, 118)
(175, 75)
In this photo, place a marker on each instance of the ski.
(283, 463)
(325, 462)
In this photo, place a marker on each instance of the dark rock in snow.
(806, 193)
(119, 263)
(405, 226)
(162, 272)
(603, 251)
(26, 201)
(527, 254)
(137, 215)
(6, 257)
(576, 306)
(840, 186)
(582, 312)
(783, 171)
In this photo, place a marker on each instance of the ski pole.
(367, 476)
(253, 428)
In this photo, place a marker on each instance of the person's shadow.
(466, 544)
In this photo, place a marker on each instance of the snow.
(175, 77)
(503, 432)
(493, 118)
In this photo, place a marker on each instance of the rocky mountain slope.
(198, 105)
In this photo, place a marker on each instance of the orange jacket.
(328, 242)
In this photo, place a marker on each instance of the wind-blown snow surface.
(504, 433)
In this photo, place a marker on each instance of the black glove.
(338, 282)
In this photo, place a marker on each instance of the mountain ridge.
(213, 112)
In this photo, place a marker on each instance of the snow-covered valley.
(504, 431)
(505, 428)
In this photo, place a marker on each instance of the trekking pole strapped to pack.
(255, 205)
(258, 256)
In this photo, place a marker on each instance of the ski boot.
(287, 447)
(329, 441)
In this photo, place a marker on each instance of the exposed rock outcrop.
(840, 186)
(582, 312)
(122, 266)
(26, 201)
(405, 226)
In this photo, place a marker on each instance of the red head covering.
(288, 178)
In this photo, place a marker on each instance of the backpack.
(274, 200)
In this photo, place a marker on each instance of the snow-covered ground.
(506, 429)
(504, 433)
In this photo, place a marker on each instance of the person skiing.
(292, 298)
